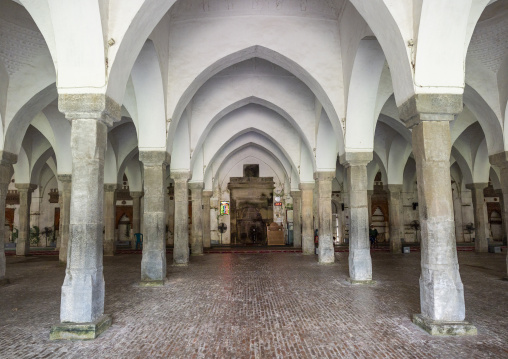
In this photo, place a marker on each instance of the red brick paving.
(276, 305)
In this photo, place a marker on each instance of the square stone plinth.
(368, 282)
(80, 331)
(434, 327)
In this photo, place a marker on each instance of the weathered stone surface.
(83, 287)
(360, 262)
(6, 172)
(181, 246)
(81, 331)
(434, 327)
(197, 218)
(430, 107)
(206, 219)
(326, 253)
(153, 263)
(90, 106)
(136, 215)
(396, 217)
(307, 190)
(65, 215)
(297, 218)
(109, 218)
(25, 198)
(481, 221)
(441, 290)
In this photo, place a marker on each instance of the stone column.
(481, 221)
(501, 160)
(25, 197)
(82, 306)
(307, 190)
(499, 193)
(59, 238)
(396, 217)
(65, 215)
(441, 289)
(360, 262)
(109, 218)
(326, 251)
(153, 263)
(197, 218)
(457, 214)
(206, 219)
(297, 219)
(181, 247)
(136, 215)
(369, 202)
(6, 171)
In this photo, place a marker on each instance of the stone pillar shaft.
(83, 288)
(197, 218)
(501, 160)
(65, 215)
(480, 217)
(360, 262)
(153, 263)
(441, 290)
(181, 247)
(6, 172)
(136, 215)
(396, 217)
(297, 218)
(25, 198)
(307, 190)
(206, 219)
(326, 251)
(109, 218)
(499, 193)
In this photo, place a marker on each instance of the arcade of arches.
(240, 122)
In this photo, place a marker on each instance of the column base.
(505, 278)
(80, 331)
(435, 327)
(151, 283)
(4, 281)
(368, 281)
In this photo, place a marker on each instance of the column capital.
(110, 187)
(137, 194)
(26, 187)
(90, 106)
(430, 107)
(324, 175)
(7, 158)
(350, 159)
(395, 187)
(476, 186)
(65, 178)
(306, 186)
(499, 159)
(154, 157)
(207, 193)
(196, 186)
(180, 176)
(296, 194)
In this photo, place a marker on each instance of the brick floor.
(268, 305)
